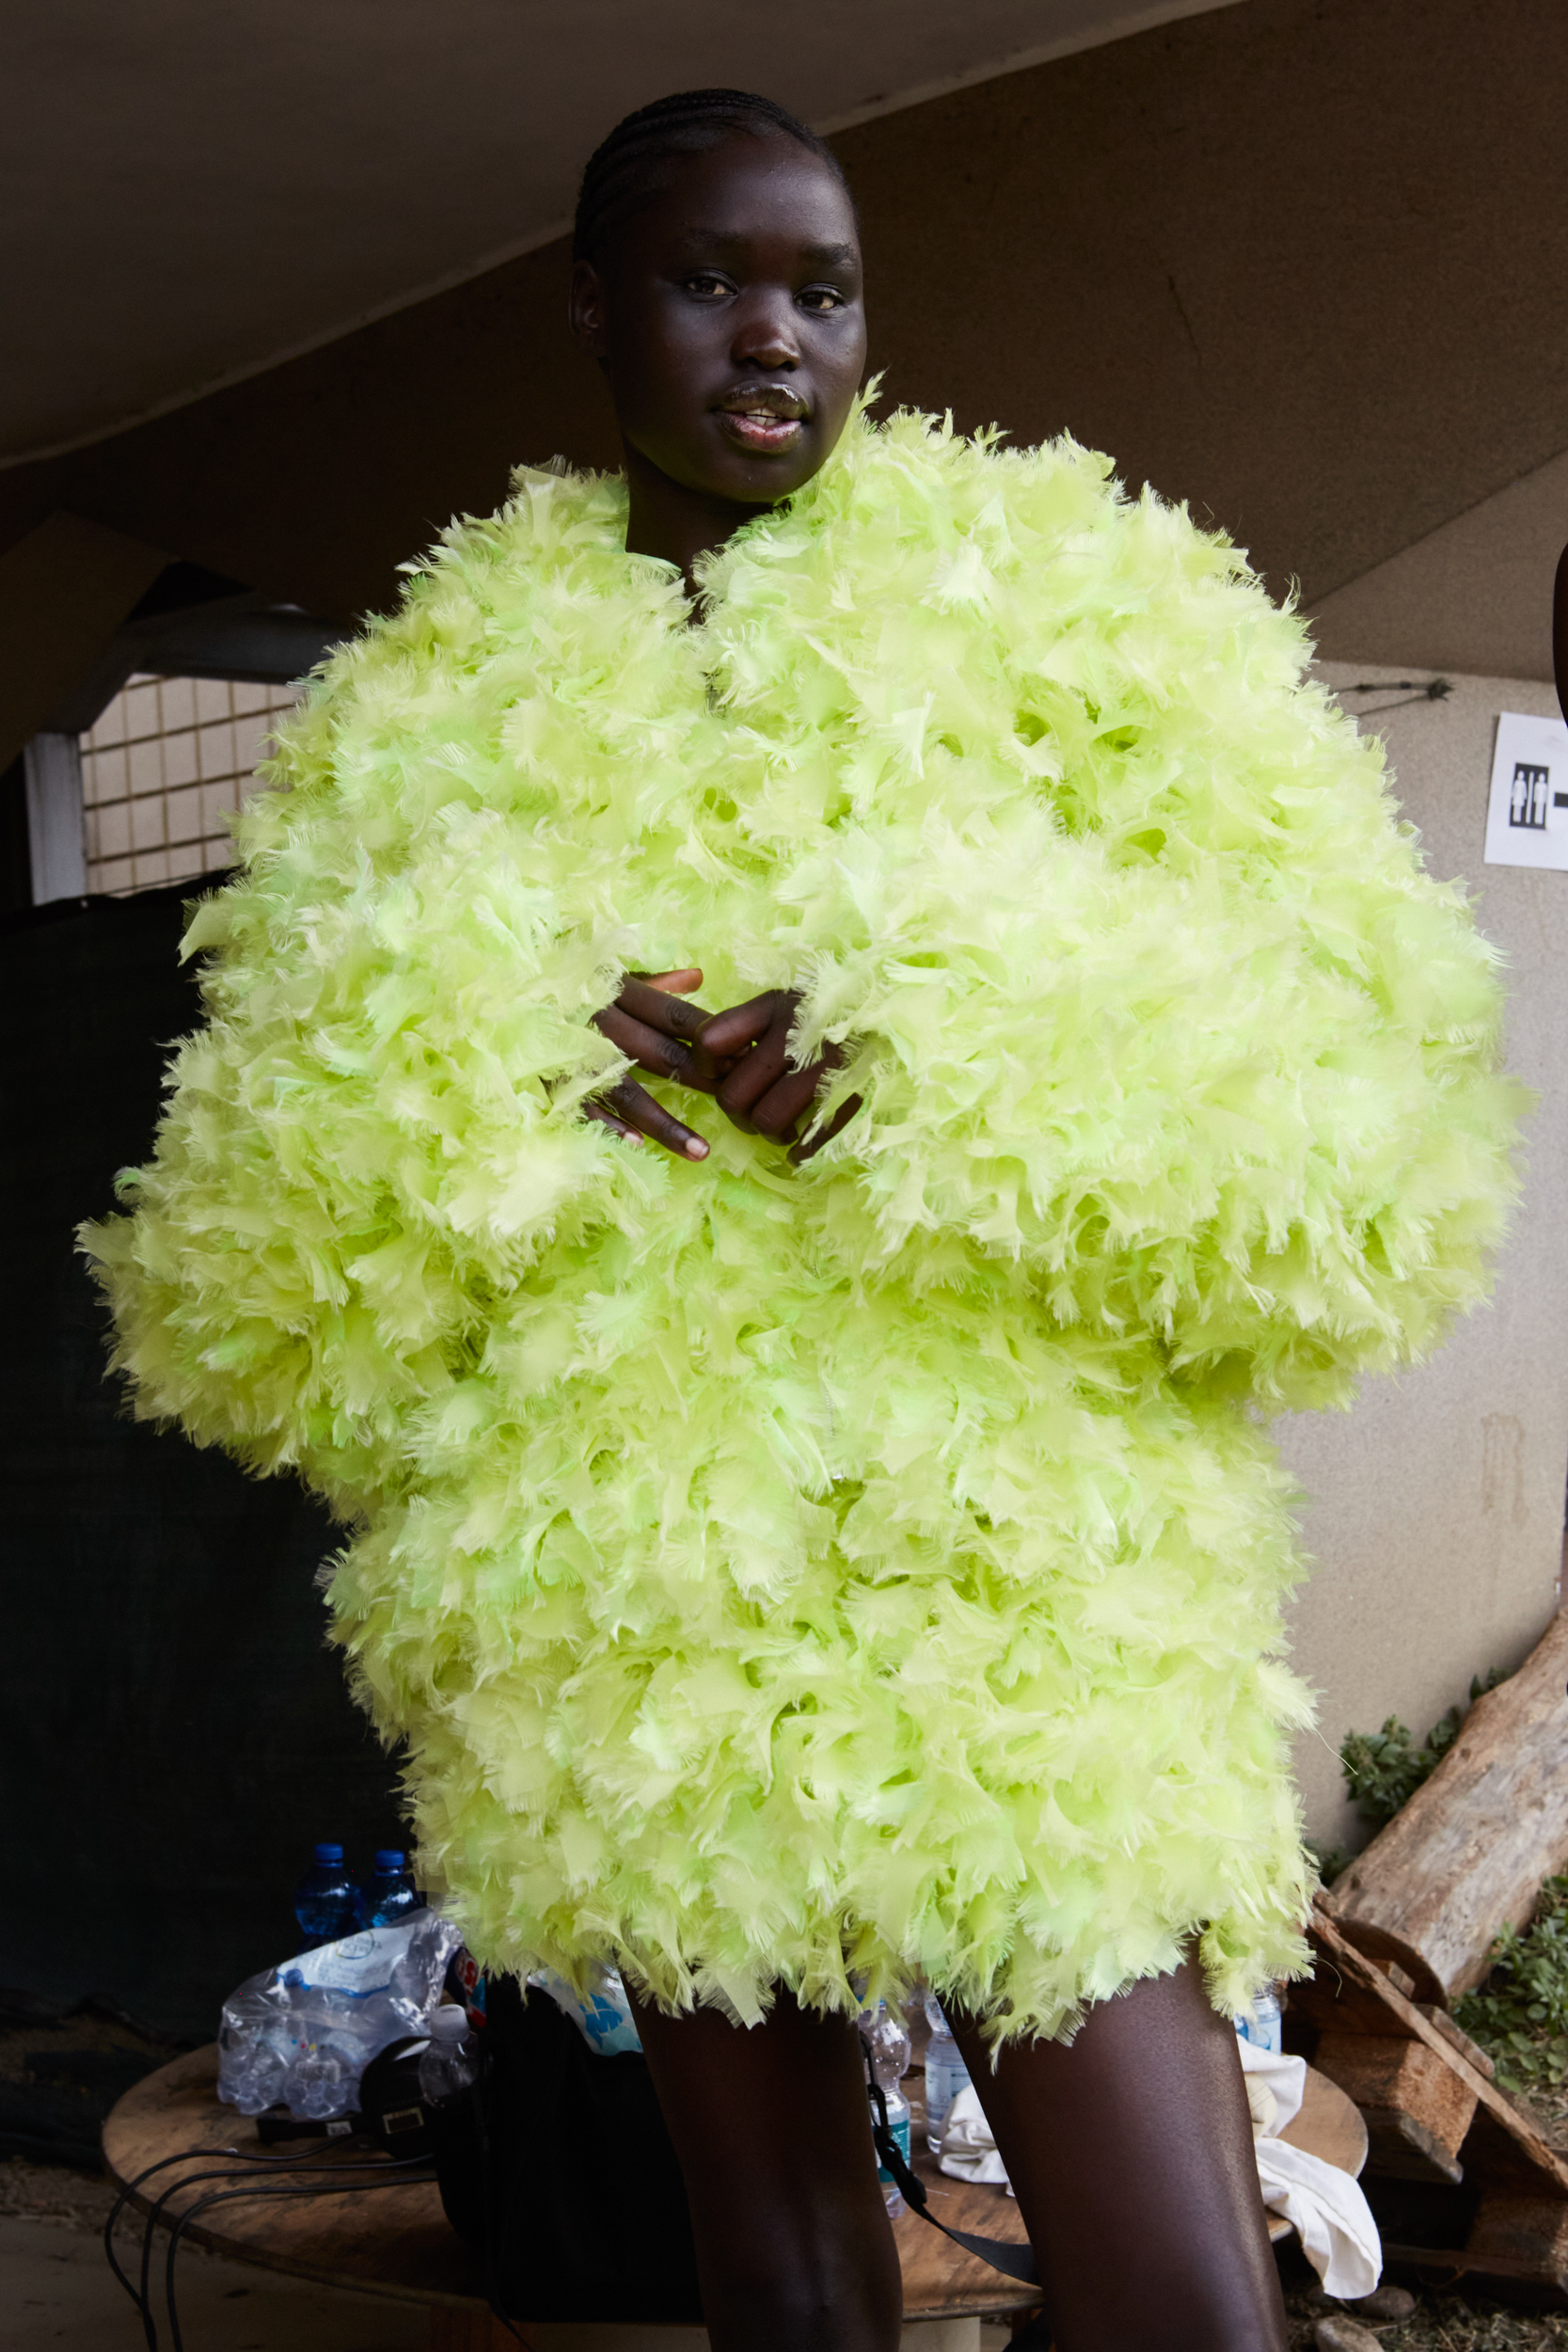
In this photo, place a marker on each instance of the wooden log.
(1467, 1854)
(1417, 2108)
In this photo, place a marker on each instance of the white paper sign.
(1526, 816)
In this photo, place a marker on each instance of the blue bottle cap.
(329, 1854)
(390, 1858)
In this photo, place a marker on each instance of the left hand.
(760, 1091)
(651, 1022)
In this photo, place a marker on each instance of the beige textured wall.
(1435, 1507)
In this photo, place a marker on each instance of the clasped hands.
(739, 1056)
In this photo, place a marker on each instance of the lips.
(763, 418)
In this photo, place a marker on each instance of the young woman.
(824, 1531)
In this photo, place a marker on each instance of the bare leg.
(1131, 2155)
(773, 2131)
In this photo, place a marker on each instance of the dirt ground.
(1442, 2323)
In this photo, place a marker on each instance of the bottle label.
(359, 1964)
(1261, 2023)
(899, 2127)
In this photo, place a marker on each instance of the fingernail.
(695, 1147)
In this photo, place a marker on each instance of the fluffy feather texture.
(777, 1575)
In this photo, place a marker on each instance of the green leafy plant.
(1520, 2012)
(1328, 1860)
(1383, 1769)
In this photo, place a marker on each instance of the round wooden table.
(397, 2241)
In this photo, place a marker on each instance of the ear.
(586, 309)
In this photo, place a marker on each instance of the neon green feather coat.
(777, 1574)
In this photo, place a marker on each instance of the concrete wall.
(1298, 262)
(1435, 1507)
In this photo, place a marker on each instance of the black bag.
(559, 2172)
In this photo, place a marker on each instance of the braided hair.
(625, 167)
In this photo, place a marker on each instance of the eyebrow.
(823, 256)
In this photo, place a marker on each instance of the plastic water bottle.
(1261, 2024)
(389, 1892)
(326, 1902)
(889, 2059)
(945, 2074)
(320, 2086)
(451, 2064)
(253, 2067)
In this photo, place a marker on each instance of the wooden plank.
(1348, 1994)
(1457, 2035)
(1516, 2246)
(1328, 2125)
(1466, 1856)
(1417, 2108)
(1522, 2230)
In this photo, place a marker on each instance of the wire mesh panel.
(169, 760)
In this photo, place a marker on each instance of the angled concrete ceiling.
(201, 189)
(1474, 594)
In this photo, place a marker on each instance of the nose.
(764, 331)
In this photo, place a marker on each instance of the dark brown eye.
(821, 299)
(707, 283)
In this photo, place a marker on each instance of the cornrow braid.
(625, 167)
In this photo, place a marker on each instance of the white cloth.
(968, 2149)
(1325, 2206)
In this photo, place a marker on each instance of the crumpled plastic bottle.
(302, 2034)
(319, 2086)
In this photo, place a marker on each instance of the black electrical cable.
(272, 2189)
(262, 2167)
(183, 2155)
(1435, 690)
(265, 2169)
(192, 2180)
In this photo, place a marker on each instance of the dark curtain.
(175, 1734)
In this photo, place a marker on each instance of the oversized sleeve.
(378, 1133)
(1141, 976)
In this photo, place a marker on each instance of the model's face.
(728, 320)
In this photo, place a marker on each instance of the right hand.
(651, 1020)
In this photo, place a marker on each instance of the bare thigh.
(773, 2133)
(1130, 2155)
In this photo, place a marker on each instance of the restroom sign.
(1527, 815)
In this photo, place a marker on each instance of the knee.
(802, 2275)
